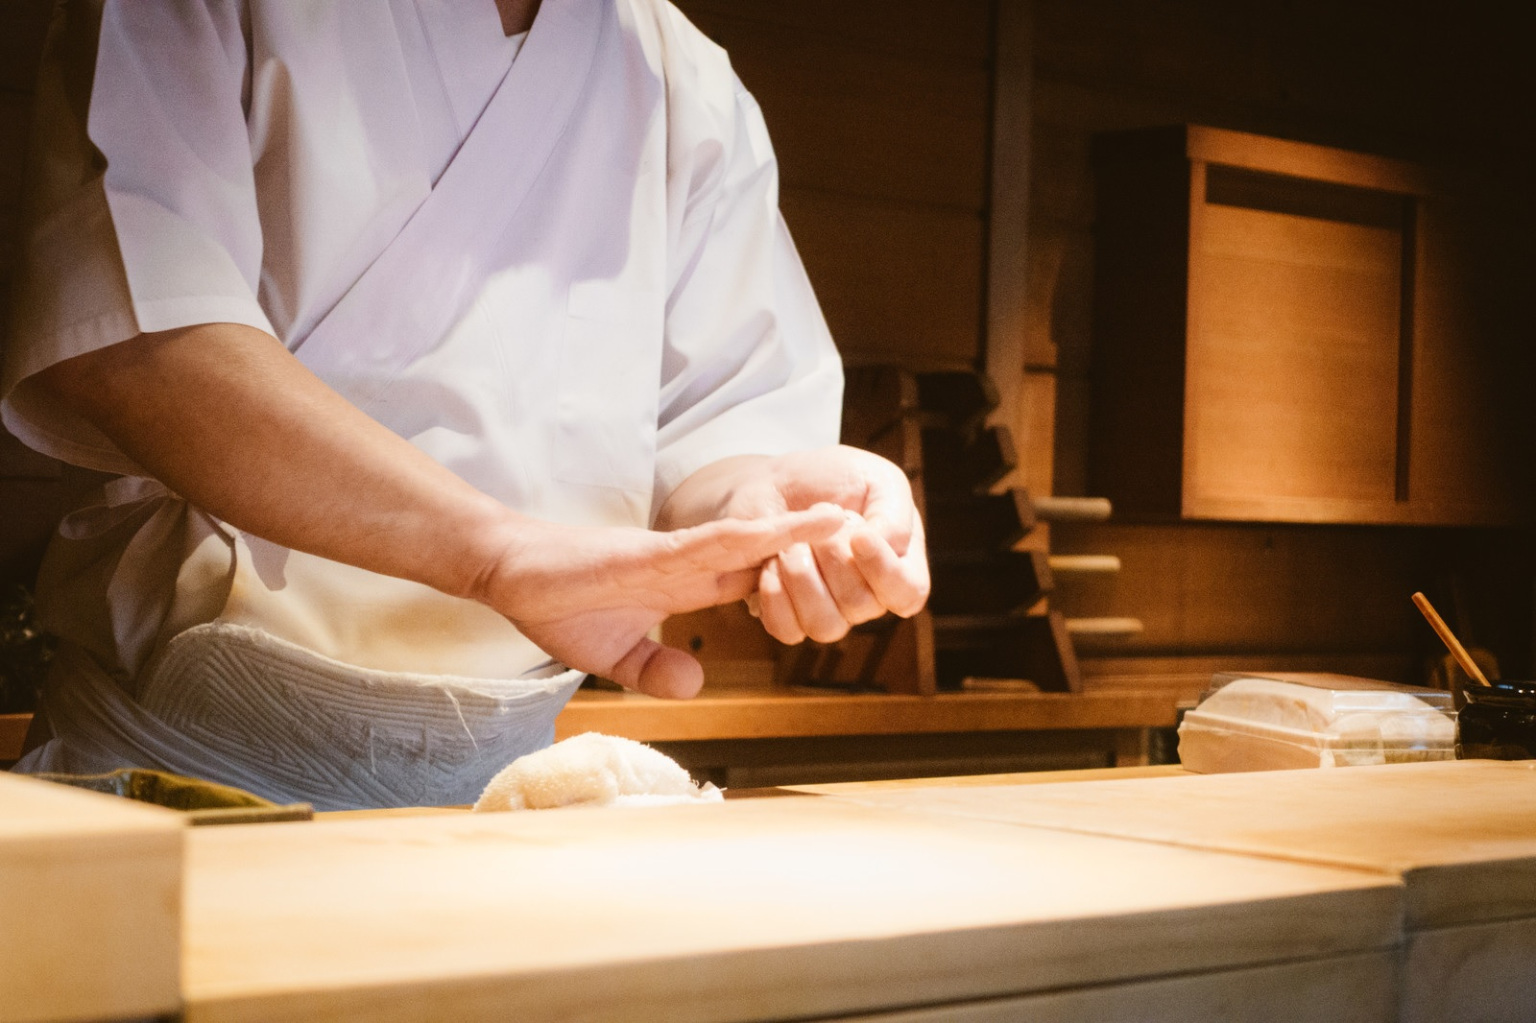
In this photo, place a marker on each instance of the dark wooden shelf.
(782, 713)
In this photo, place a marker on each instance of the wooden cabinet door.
(1282, 333)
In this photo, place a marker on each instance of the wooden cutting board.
(90, 905)
(751, 910)
(1460, 834)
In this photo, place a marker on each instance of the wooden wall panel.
(1442, 84)
(1218, 588)
(1292, 377)
(30, 496)
(862, 121)
(895, 281)
(881, 117)
(957, 32)
(1467, 421)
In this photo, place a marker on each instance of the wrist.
(488, 547)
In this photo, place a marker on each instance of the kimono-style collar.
(422, 282)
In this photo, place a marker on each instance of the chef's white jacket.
(554, 263)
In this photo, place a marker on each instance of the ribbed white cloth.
(231, 704)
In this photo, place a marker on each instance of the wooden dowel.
(1068, 564)
(1449, 639)
(1104, 626)
(1072, 509)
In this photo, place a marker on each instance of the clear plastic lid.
(1249, 721)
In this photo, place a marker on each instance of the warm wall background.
(1437, 83)
(886, 117)
(887, 120)
(30, 492)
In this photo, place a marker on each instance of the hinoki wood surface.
(800, 907)
(769, 713)
(1461, 834)
(90, 905)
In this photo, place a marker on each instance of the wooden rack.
(988, 618)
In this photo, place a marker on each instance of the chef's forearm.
(224, 415)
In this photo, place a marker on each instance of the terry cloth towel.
(231, 704)
(593, 770)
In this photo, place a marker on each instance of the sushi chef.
(421, 356)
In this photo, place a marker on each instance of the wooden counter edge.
(767, 714)
(13, 733)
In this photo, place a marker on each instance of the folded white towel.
(592, 769)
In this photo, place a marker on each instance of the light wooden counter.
(765, 909)
(90, 891)
(1357, 894)
(1461, 835)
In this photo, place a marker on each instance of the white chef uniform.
(562, 276)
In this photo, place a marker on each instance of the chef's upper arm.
(141, 212)
(749, 365)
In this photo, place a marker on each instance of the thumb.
(889, 510)
(657, 670)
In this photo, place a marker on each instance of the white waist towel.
(234, 705)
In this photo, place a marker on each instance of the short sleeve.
(141, 211)
(749, 366)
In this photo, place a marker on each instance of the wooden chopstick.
(1449, 639)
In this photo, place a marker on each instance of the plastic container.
(1251, 722)
(1498, 722)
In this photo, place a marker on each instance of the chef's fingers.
(726, 545)
(738, 585)
(658, 670)
(901, 583)
(888, 506)
(815, 608)
(774, 607)
(844, 580)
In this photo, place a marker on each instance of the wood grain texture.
(881, 116)
(845, 788)
(13, 732)
(23, 24)
(1292, 378)
(15, 124)
(848, 118)
(1465, 438)
(1348, 989)
(897, 283)
(1232, 589)
(755, 909)
(758, 715)
(958, 33)
(1187, 678)
(90, 890)
(1007, 331)
(1461, 834)
(1302, 160)
(1283, 332)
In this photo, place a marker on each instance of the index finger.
(727, 545)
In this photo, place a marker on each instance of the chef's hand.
(588, 596)
(875, 563)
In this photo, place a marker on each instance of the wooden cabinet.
(1281, 333)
